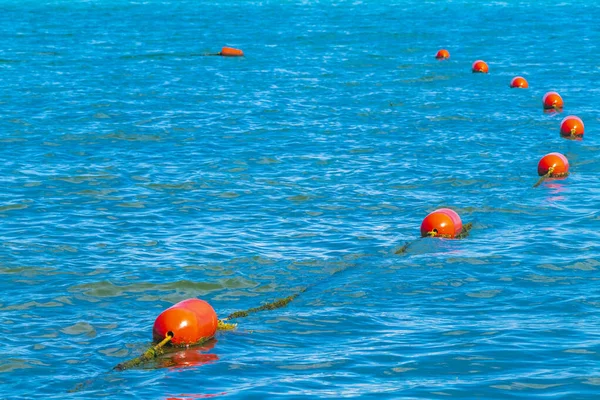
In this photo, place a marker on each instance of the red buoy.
(480, 66)
(554, 163)
(443, 222)
(519, 82)
(189, 321)
(442, 54)
(571, 127)
(231, 52)
(552, 101)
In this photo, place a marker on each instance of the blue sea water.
(137, 172)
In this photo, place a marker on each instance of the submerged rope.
(279, 303)
(463, 234)
(282, 302)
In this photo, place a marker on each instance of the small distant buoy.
(519, 82)
(443, 222)
(552, 101)
(553, 165)
(480, 66)
(188, 322)
(442, 54)
(231, 52)
(571, 127)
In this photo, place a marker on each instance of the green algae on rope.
(279, 303)
(151, 353)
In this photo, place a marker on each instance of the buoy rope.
(463, 234)
(224, 326)
(550, 174)
(434, 233)
(150, 354)
(279, 303)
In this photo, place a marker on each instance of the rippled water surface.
(137, 172)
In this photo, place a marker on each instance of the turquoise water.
(137, 173)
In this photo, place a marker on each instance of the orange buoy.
(480, 66)
(442, 54)
(552, 101)
(189, 321)
(519, 82)
(571, 127)
(443, 222)
(231, 52)
(555, 164)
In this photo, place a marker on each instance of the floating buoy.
(231, 52)
(442, 223)
(571, 127)
(552, 101)
(553, 165)
(480, 66)
(442, 54)
(519, 82)
(187, 322)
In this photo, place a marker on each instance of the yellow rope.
(224, 326)
(544, 177)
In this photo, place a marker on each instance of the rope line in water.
(279, 303)
(550, 174)
(463, 234)
(150, 354)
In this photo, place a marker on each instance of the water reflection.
(190, 357)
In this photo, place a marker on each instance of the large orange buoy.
(555, 164)
(442, 54)
(552, 101)
(480, 66)
(519, 82)
(189, 321)
(231, 52)
(571, 127)
(443, 222)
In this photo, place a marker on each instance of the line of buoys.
(519, 82)
(480, 66)
(552, 101)
(571, 127)
(442, 54)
